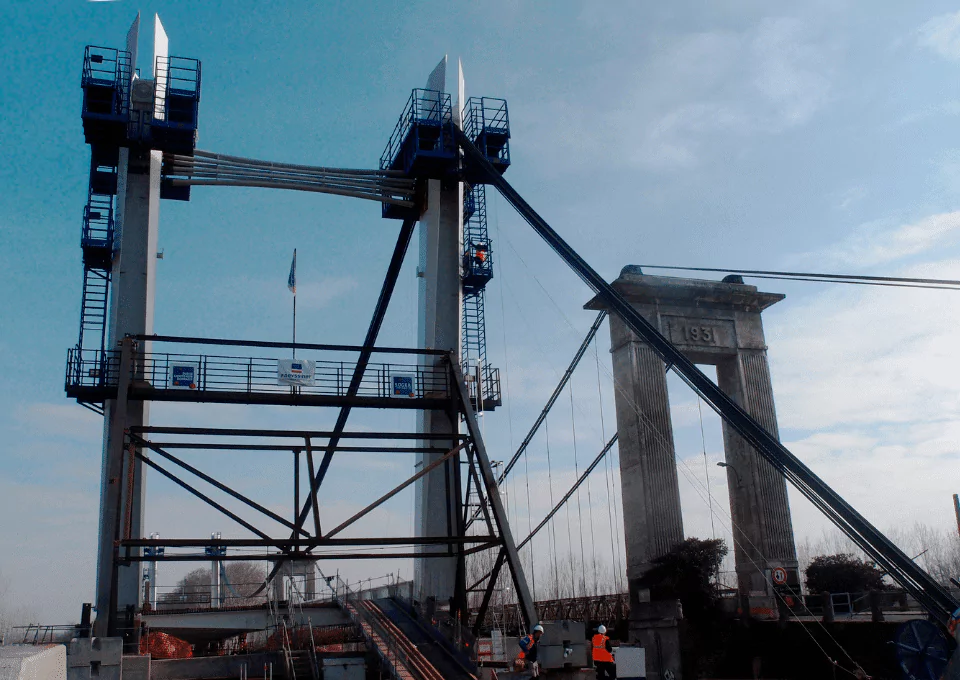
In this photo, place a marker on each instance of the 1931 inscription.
(703, 335)
(719, 333)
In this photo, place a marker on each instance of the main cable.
(860, 279)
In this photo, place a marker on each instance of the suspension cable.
(556, 393)
(553, 528)
(860, 279)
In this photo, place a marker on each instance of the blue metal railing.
(97, 229)
(487, 124)
(428, 108)
(179, 78)
(486, 114)
(88, 368)
(105, 67)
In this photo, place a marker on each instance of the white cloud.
(866, 378)
(877, 243)
(664, 110)
(791, 71)
(942, 35)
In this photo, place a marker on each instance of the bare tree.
(242, 580)
(11, 614)
(938, 552)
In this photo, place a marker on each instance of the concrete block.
(631, 662)
(563, 643)
(135, 667)
(97, 657)
(33, 662)
(344, 668)
(215, 667)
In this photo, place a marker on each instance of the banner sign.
(402, 386)
(295, 371)
(184, 375)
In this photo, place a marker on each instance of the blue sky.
(747, 134)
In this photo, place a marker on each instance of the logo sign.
(184, 375)
(779, 576)
(402, 386)
(295, 371)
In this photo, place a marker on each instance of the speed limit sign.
(779, 576)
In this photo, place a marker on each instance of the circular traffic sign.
(779, 576)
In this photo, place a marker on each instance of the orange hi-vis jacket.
(600, 652)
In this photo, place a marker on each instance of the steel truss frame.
(315, 544)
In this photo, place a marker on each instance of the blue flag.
(292, 279)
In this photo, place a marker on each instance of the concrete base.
(216, 667)
(98, 657)
(134, 667)
(344, 668)
(655, 627)
(560, 674)
(30, 662)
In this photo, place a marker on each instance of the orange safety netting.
(163, 646)
(299, 638)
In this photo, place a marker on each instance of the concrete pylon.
(716, 323)
(132, 295)
(438, 493)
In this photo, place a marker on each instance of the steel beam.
(292, 434)
(140, 441)
(528, 612)
(393, 492)
(202, 496)
(373, 331)
(290, 544)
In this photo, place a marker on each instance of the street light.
(727, 465)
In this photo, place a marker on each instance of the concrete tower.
(438, 493)
(716, 323)
(132, 294)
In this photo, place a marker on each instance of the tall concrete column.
(132, 295)
(763, 529)
(653, 523)
(438, 492)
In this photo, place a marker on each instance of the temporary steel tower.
(142, 135)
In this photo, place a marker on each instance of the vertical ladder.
(477, 270)
(97, 242)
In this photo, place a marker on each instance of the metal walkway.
(409, 648)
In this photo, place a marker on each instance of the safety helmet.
(602, 630)
(538, 628)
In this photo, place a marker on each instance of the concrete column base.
(655, 627)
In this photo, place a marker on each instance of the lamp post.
(735, 471)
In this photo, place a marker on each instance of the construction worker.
(529, 647)
(603, 655)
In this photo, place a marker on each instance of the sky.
(761, 135)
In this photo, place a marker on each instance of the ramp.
(406, 646)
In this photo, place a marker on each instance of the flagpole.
(292, 285)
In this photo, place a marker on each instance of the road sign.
(779, 576)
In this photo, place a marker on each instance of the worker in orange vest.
(529, 651)
(603, 655)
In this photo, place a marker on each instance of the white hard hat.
(538, 628)
(602, 630)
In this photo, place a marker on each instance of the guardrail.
(317, 370)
